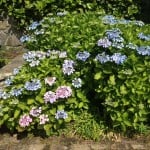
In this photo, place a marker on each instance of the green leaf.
(112, 80)
(98, 76)
(47, 129)
(30, 101)
(123, 90)
(81, 104)
(17, 112)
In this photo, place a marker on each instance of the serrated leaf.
(30, 101)
(81, 104)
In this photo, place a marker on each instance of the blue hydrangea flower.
(77, 82)
(9, 81)
(33, 85)
(61, 114)
(83, 55)
(144, 37)
(29, 56)
(34, 25)
(16, 92)
(143, 50)
(38, 32)
(4, 95)
(138, 23)
(117, 45)
(68, 67)
(25, 38)
(61, 13)
(102, 58)
(131, 46)
(118, 58)
(16, 71)
(109, 19)
(114, 35)
(34, 63)
(104, 42)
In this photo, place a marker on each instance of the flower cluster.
(143, 50)
(50, 80)
(131, 46)
(77, 82)
(43, 118)
(83, 56)
(35, 112)
(105, 43)
(4, 95)
(61, 114)
(34, 57)
(61, 92)
(16, 92)
(25, 120)
(9, 81)
(68, 67)
(118, 58)
(34, 25)
(16, 70)
(33, 85)
(111, 20)
(142, 36)
(53, 54)
(50, 97)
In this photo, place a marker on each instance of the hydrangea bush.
(76, 62)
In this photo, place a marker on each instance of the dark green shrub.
(25, 11)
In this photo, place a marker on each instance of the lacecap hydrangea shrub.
(78, 62)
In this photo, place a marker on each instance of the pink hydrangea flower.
(50, 80)
(63, 92)
(43, 118)
(50, 97)
(35, 111)
(25, 120)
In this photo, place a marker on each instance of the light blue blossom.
(131, 46)
(138, 23)
(25, 38)
(16, 71)
(68, 67)
(117, 45)
(109, 19)
(38, 32)
(34, 25)
(114, 35)
(61, 114)
(77, 82)
(118, 58)
(142, 36)
(33, 85)
(143, 50)
(9, 81)
(83, 56)
(4, 95)
(63, 54)
(34, 63)
(102, 58)
(16, 92)
(61, 13)
(104, 42)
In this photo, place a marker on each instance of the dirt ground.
(17, 142)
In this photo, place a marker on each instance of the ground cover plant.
(78, 63)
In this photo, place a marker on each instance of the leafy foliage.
(25, 11)
(79, 62)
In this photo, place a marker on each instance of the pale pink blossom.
(50, 97)
(25, 120)
(50, 80)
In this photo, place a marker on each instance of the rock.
(12, 41)
(80, 147)
(3, 37)
(4, 24)
(138, 147)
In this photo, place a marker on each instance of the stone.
(3, 37)
(4, 24)
(36, 147)
(80, 147)
(99, 146)
(138, 147)
(12, 41)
